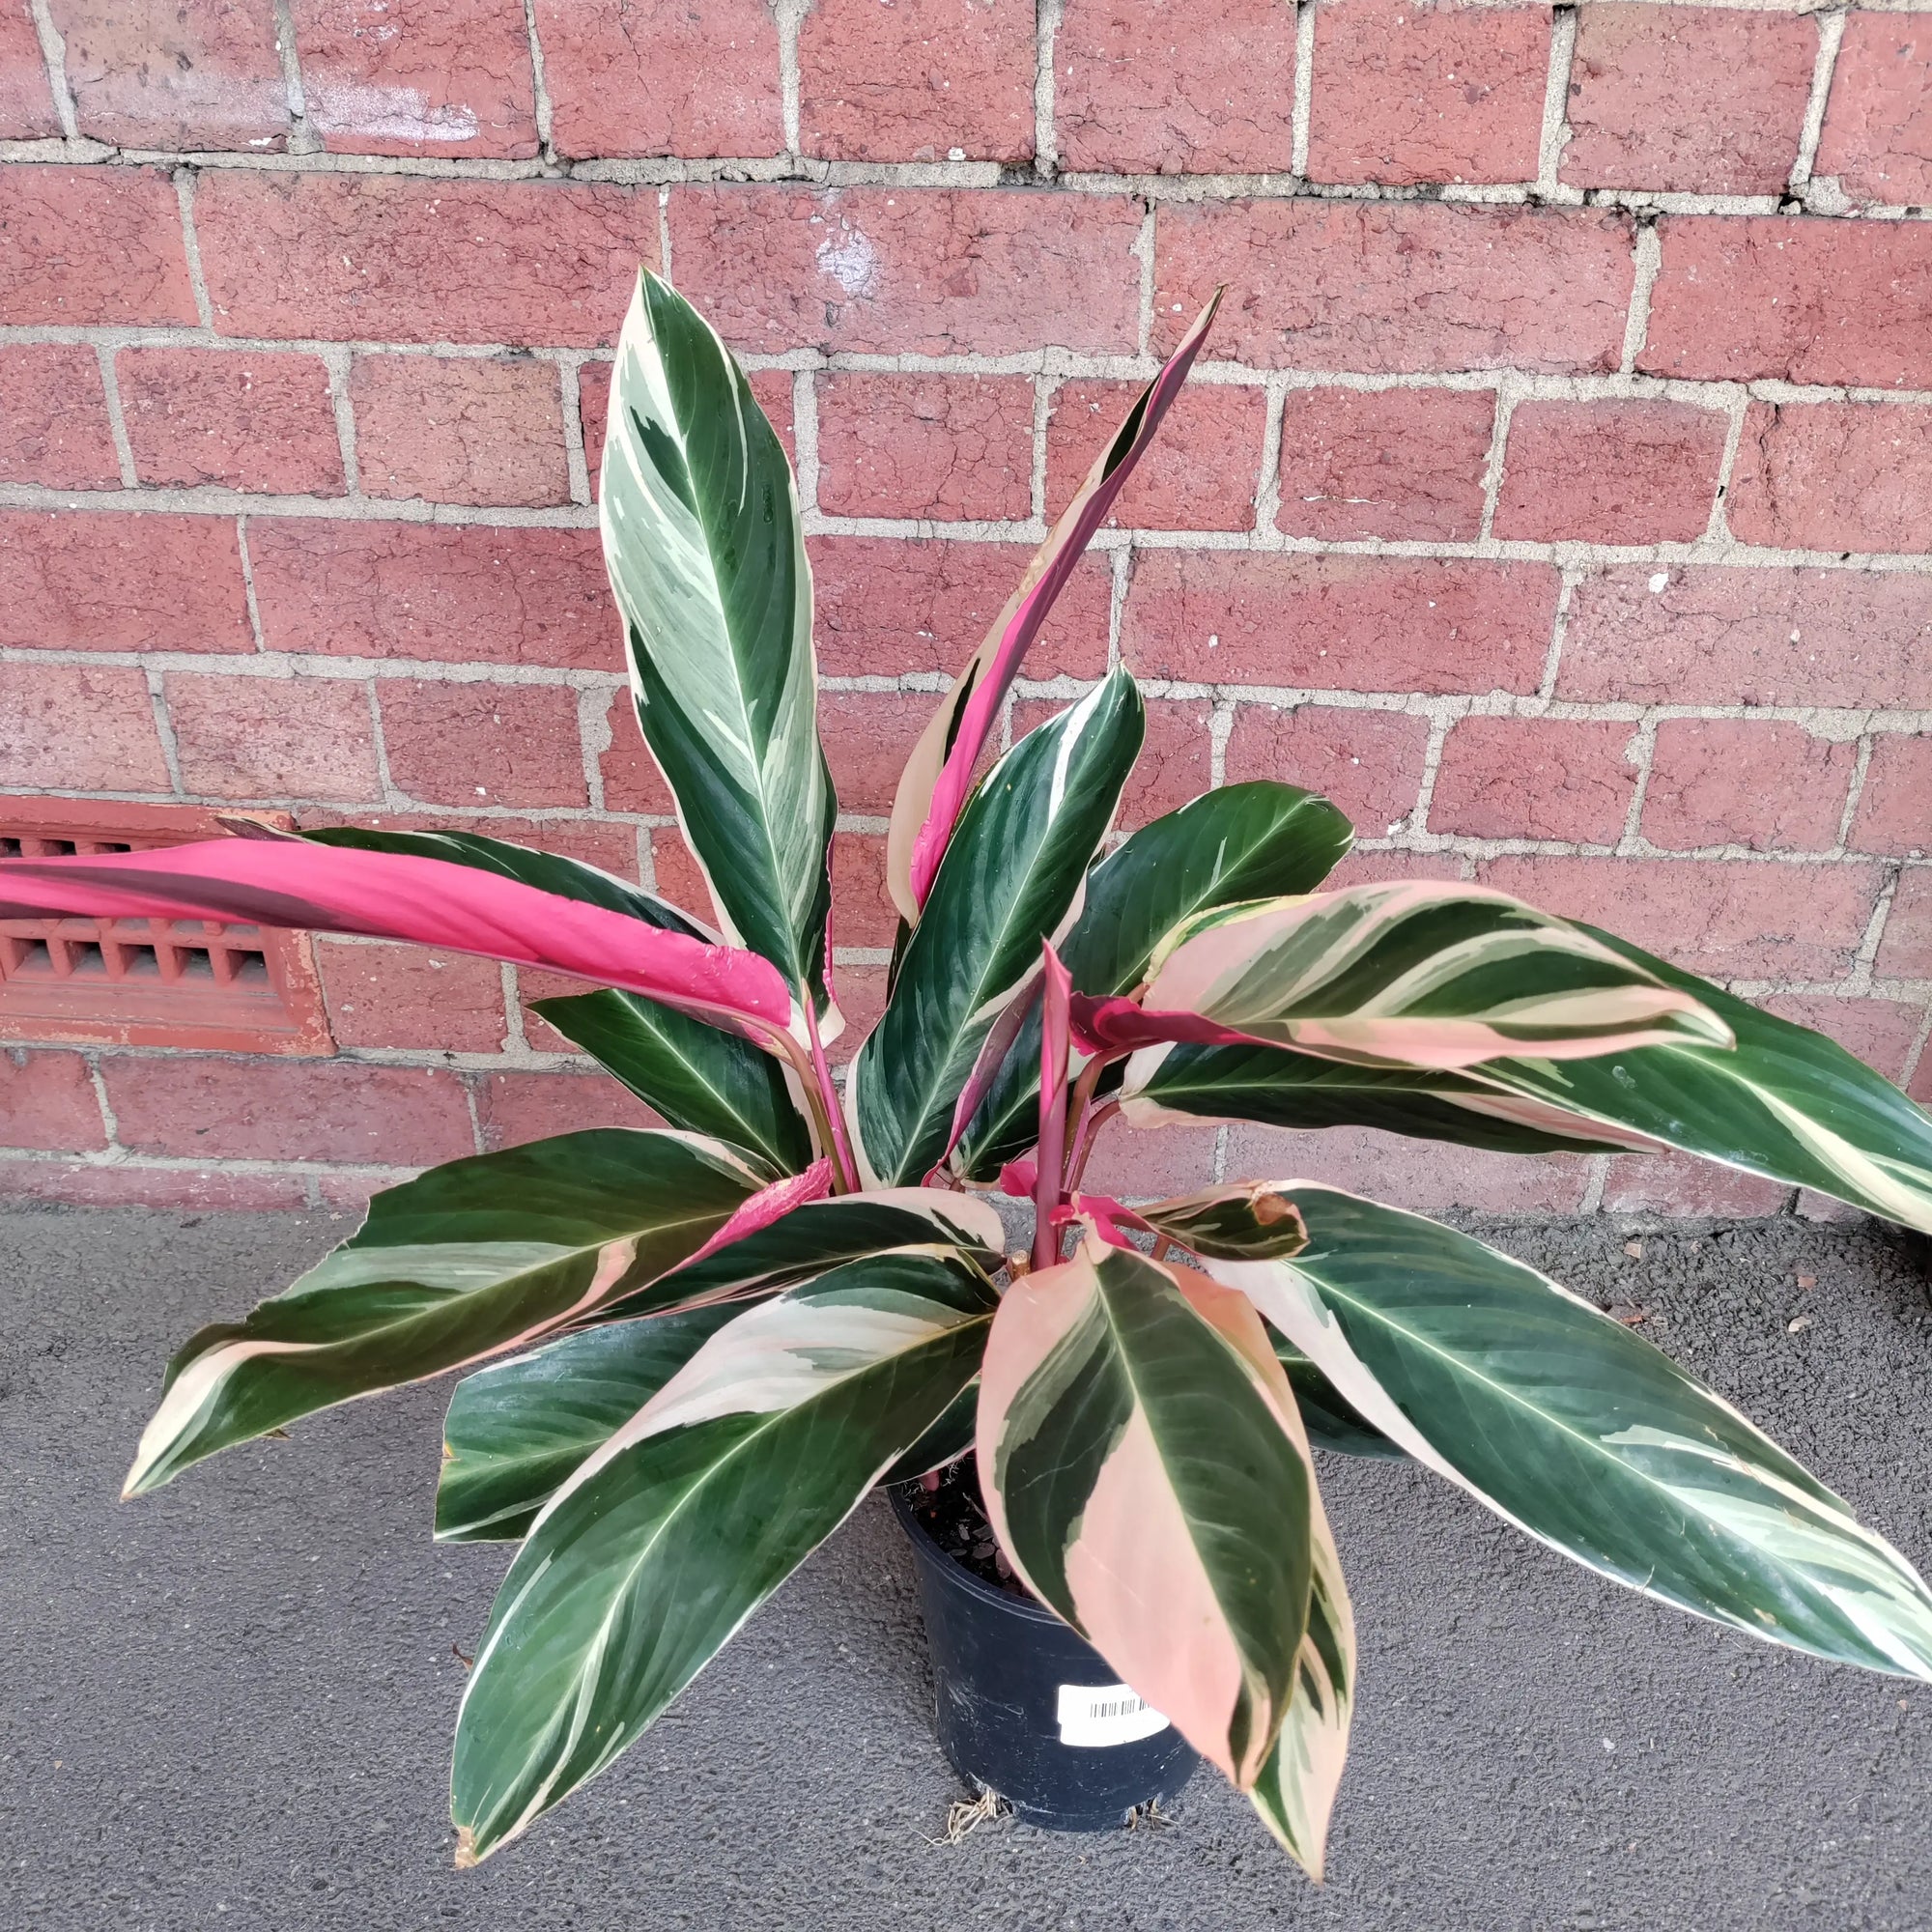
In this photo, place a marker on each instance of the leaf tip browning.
(468, 1857)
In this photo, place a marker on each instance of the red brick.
(1794, 297)
(1699, 100)
(46, 1101)
(1422, 1176)
(1368, 762)
(413, 996)
(512, 1108)
(130, 1184)
(1151, 87)
(1920, 1087)
(1843, 477)
(862, 913)
(467, 594)
(1882, 1033)
(868, 737)
(1905, 953)
(78, 727)
(435, 78)
(1397, 287)
(1710, 634)
(1727, 917)
(596, 841)
(1877, 139)
(26, 102)
(94, 582)
(772, 388)
(888, 605)
(81, 245)
(1624, 472)
(355, 257)
(631, 780)
(1894, 814)
(273, 737)
(1723, 781)
(53, 418)
(678, 877)
(1174, 763)
(483, 744)
(1339, 624)
(157, 74)
(1134, 1164)
(332, 1110)
(460, 429)
(862, 999)
(1411, 90)
(1535, 777)
(1680, 1185)
(922, 271)
(698, 79)
(1201, 473)
(920, 80)
(1385, 463)
(940, 446)
(248, 421)
(1375, 869)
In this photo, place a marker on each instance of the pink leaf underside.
(1114, 1024)
(399, 895)
(768, 1204)
(1137, 1581)
(1099, 1215)
(937, 779)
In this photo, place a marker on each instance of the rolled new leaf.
(1146, 1474)
(429, 901)
(933, 788)
(660, 1545)
(1787, 1103)
(1412, 974)
(696, 1076)
(1012, 876)
(1243, 841)
(706, 556)
(467, 1260)
(1560, 1420)
(518, 1429)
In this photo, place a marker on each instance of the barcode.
(1095, 1715)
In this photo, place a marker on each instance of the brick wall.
(1558, 495)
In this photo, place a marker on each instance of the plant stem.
(844, 1169)
(1090, 1130)
(1047, 1181)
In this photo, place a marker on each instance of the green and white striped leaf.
(1295, 1790)
(519, 1428)
(697, 1077)
(821, 1234)
(1560, 1419)
(1412, 973)
(548, 871)
(1788, 1104)
(1330, 1423)
(468, 1259)
(1281, 1088)
(1013, 875)
(671, 1534)
(702, 541)
(1146, 1471)
(1245, 841)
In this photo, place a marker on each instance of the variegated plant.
(696, 1347)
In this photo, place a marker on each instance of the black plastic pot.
(1011, 1681)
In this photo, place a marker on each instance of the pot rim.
(1026, 1609)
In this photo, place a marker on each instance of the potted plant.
(693, 1351)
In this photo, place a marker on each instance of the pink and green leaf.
(937, 778)
(1148, 1476)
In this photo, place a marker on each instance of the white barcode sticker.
(1105, 1713)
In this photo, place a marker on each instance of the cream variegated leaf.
(702, 541)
